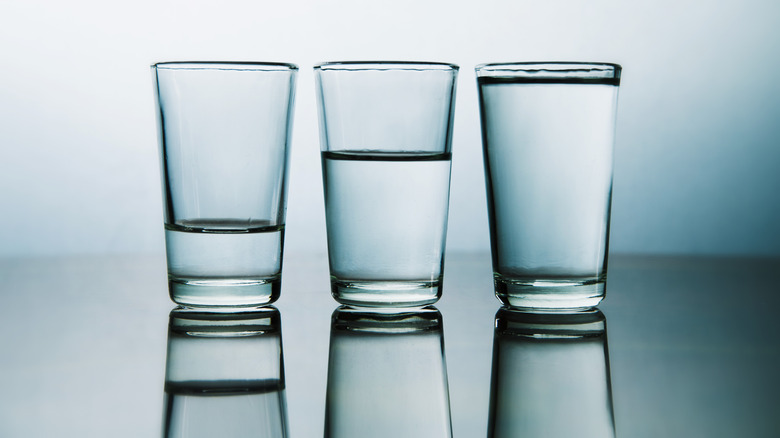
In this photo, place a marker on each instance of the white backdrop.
(698, 141)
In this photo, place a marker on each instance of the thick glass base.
(224, 293)
(549, 294)
(386, 294)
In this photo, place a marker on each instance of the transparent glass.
(550, 376)
(387, 376)
(385, 134)
(225, 375)
(548, 134)
(224, 132)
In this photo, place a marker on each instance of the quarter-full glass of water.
(224, 132)
(385, 131)
(548, 133)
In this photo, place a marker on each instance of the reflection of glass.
(387, 376)
(225, 375)
(550, 376)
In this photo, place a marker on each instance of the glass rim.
(550, 70)
(223, 323)
(386, 65)
(225, 65)
(376, 321)
(551, 325)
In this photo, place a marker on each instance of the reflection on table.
(225, 375)
(693, 351)
(387, 376)
(550, 376)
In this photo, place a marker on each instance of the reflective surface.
(692, 346)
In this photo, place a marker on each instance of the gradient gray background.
(698, 138)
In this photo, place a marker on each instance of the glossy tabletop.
(693, 351)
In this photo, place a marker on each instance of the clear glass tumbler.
(387, 375)
(550, 376)
(224, 375)
(548, 133)
(385, 130)
(224, 137)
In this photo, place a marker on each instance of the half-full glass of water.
(224, 132)
(548, 133)
(385, 130)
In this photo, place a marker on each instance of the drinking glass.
(224, 132)
(385, 133)
(225, 374)
(387, 375)
(550, 376)
(548, 133)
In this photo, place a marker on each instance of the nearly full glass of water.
(224, 137)
(548, 134)
(386, 137)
